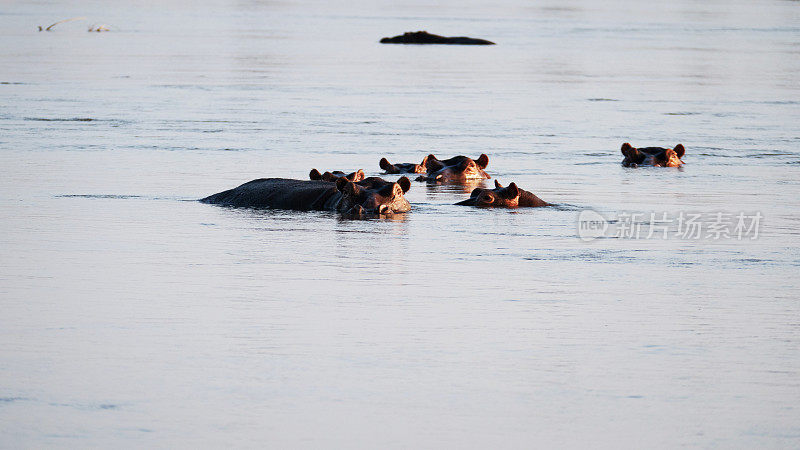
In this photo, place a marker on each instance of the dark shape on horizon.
(503, 197)
(371, 196)
(423, 37)
(97, 28)
(652, 156)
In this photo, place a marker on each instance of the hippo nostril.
(384, 209)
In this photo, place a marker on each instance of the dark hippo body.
(423, 37)
(503, 197)
(458, 169)
(358, 175)
(652, 156)
(369, 196)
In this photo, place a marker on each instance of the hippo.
(652, 156)
(335, 175)
(503, 197)
(404, 167)
(371, 195)
(457, 169)
(423, 37)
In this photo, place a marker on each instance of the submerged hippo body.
(652, 156)
(458, 169)
(358, 175)
(503, 197)
(369, 196)
(423, 37)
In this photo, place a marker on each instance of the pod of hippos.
(357, 195)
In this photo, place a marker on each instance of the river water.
(134, 316)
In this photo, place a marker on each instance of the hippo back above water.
(423, 37)
(652, 156)
(370, 196)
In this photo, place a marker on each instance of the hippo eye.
(486, 199)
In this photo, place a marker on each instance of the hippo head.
(404, 167)
(335, 175)
(652, 156)
(502, 197)
(373, 196)
(458, 169)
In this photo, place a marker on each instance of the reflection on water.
(134, 315)
(439, 189)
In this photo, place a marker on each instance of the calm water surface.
(133, 316)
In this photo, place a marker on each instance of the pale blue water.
(133, 316)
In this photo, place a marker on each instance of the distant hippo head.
(404, 167)
(457, 169)
(335, 175)
(373, 196)
(503, 197)
(652, 156)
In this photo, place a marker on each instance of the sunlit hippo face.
(373, 196)
(404, 167)
(335, 175)
(652, 156)
(458, 169)
(503, 197)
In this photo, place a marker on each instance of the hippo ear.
(356, 176)
(404, 183)
(679, 150)
(315, 175)
(432, 164)
(629, 151)
(385, 165)
(512, 191)
(342, 184)
(482, 161)
(497, 184)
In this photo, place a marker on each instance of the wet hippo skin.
(369, 196)
(652, 156)
(423, 37)
(503, 197)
